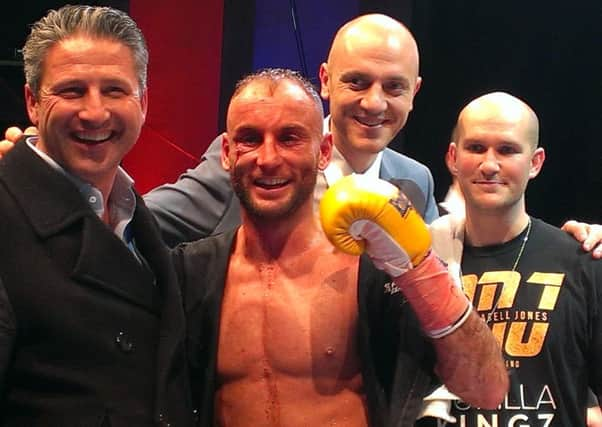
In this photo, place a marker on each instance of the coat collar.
(59, 215)
(50, 202)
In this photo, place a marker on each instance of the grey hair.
(275, 75)
(72, 20)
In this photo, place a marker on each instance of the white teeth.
(94, 137)
(271, 181)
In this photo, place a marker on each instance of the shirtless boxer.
(286, 330)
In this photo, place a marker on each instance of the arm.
(361, 214)
(469, 359)
(469, 362)
(199, 204)
(590, 235)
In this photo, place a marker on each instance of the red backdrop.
(185, 41)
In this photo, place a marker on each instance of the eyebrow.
(367, 76)
(245, 129)
(295, 128)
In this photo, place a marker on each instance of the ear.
(325, 151)
(450, 158)
(324, 78)
(144, 103)
(537, 159)
(225, 156)
(418, 85)
(32, 105)
(416, 89)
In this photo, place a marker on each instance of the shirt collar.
(122, 201)
(339, 167)
(453, 202)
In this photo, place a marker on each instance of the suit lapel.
(385, 171)
(407, 186)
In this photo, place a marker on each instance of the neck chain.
(522, 246)
(489, 317)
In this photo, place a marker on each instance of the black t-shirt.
(545, 315)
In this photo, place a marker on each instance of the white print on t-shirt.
(520, 413)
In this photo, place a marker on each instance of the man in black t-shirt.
(536, 288)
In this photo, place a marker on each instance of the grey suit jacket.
(202, 203)
(88, 335)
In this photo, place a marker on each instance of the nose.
(374, 100)
(94, 111)
(490, 164)
(268, 153)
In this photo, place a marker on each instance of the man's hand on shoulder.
(590, 236)
(12, 135)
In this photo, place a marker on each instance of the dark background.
(549, 53)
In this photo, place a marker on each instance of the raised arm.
(469, 359)
(361, 214)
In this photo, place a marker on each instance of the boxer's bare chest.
(296, 318)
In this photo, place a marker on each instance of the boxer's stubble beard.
(302, 191)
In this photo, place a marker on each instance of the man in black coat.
(91, 320)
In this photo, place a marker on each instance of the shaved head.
(374, 30)
(494, 156)
(369, 79)
(502, 109)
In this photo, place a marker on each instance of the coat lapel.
(173, 387)
(61, 217)
(121, 273)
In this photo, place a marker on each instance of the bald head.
(500, 110)
(370, 80)
(374, 31)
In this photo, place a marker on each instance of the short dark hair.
(275, 75)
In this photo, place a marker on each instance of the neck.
(105, 189)
(360, 162)
(491, 229)
(269, 240)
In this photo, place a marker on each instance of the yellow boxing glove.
(359, 213)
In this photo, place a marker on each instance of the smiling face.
(370, 81)
(89, 109)
(496, 153)
(274, 147)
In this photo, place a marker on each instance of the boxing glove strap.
(441, 307)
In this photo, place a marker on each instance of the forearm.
(470, 364)
(469, 361)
